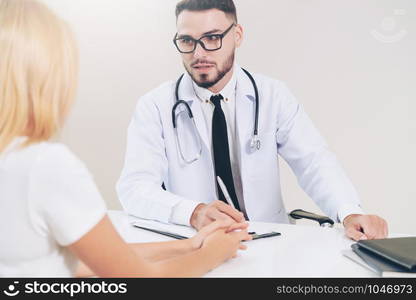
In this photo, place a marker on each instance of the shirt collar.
(228, 92)
(14, 145)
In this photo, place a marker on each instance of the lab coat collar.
(227, 92)
(186, 91)
(244, 86)
(187, 94)
(244, 109)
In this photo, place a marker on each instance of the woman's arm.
(151, 252)
(162, 250)
(165, 250)
(106, 254)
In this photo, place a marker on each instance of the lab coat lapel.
(187, 93)
(245, 104)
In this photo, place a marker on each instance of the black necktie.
(222, 151)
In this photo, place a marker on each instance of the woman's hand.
(227, 226)
(223, 244)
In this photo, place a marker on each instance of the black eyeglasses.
(210, 42)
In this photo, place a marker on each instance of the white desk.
(301, 251)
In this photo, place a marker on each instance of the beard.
(203, 80)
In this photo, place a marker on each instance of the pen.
(265, 235)
(225, 192)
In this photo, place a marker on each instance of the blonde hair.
(38, 71)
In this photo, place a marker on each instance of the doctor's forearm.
(331, 190)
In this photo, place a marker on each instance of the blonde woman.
(51, 213)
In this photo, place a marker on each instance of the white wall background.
(350, 63)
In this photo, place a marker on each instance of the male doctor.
(170, 174)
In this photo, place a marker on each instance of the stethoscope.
(255, 143)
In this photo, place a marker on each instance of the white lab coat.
(152, 157)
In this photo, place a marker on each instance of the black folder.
(400, 251)
(376, 263)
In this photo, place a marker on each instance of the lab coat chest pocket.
(262, 164)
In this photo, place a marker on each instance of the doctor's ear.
(239, 35)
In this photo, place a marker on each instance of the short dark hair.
(227, 6)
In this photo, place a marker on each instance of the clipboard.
(181, 237)
(166, 233)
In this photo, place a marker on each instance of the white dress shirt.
(228, 106)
